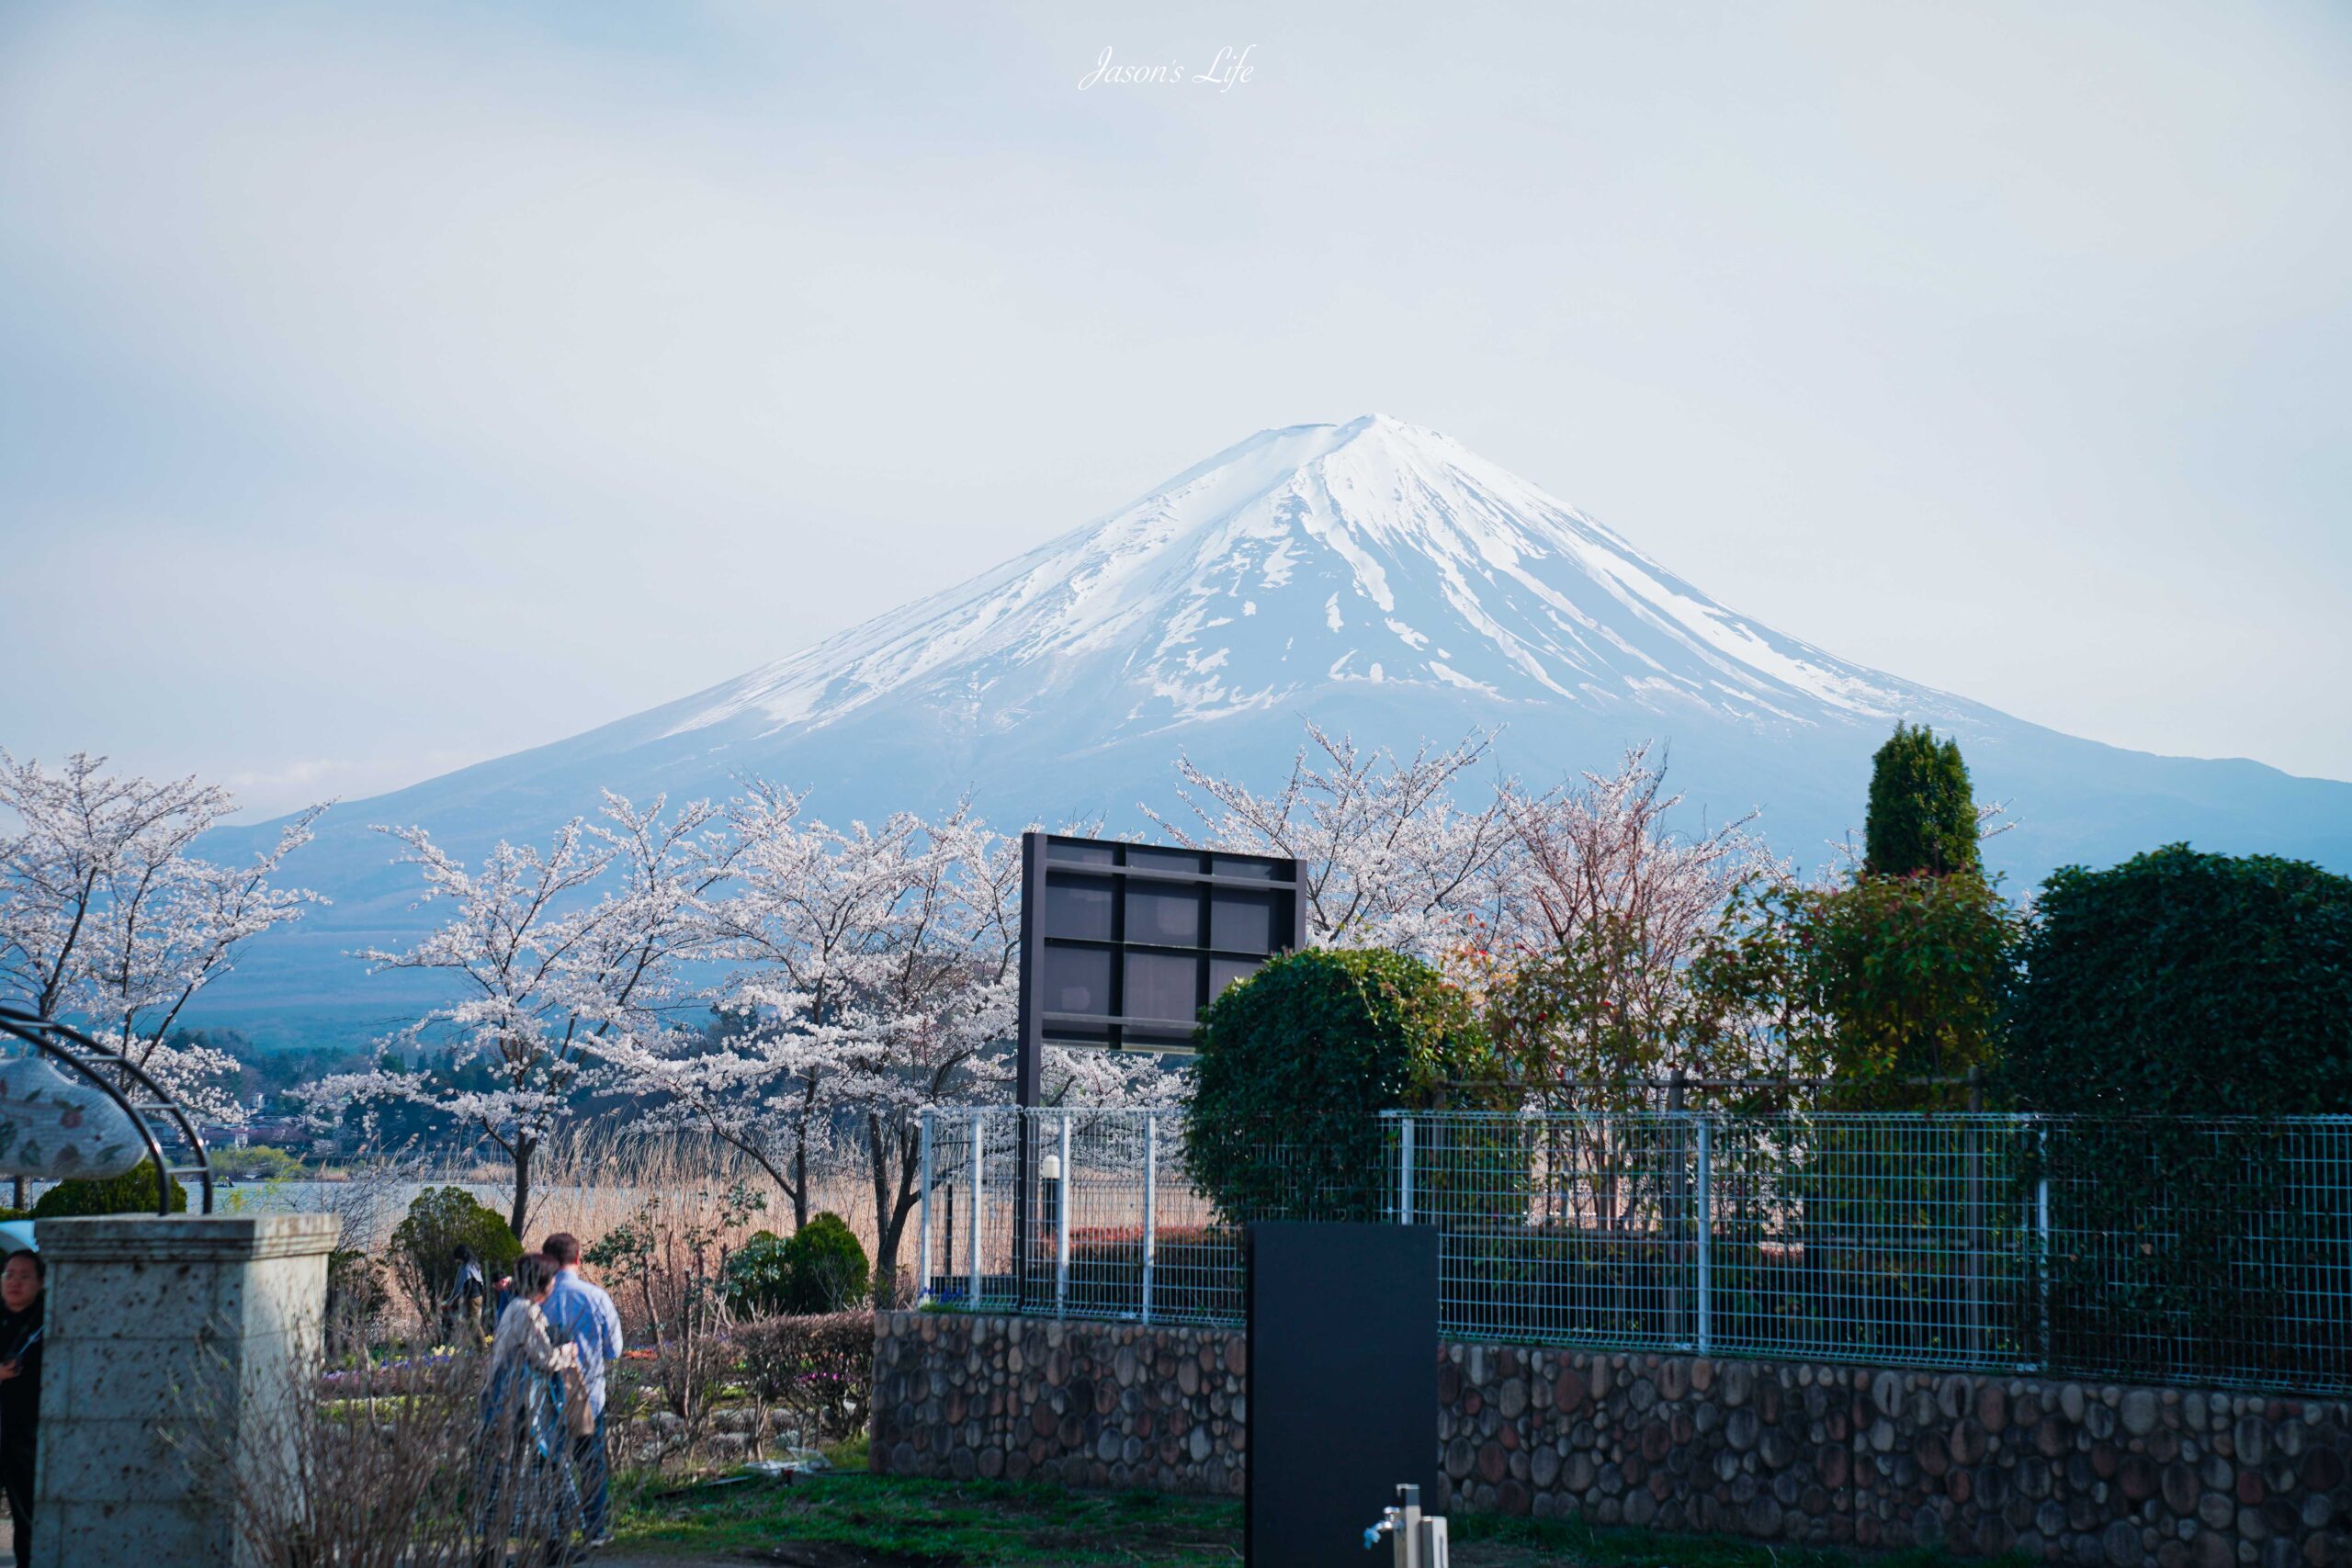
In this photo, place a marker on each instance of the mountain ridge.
(1374, 575)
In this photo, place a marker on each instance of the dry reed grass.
(588, 1180)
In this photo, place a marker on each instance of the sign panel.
(1339, 1414)
(1123, 944)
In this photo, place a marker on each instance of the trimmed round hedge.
(1297, 1062)
(820, 1268)
(132, 1192)
(439, 1221)
(2187, 984)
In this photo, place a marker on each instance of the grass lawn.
(851, 1519)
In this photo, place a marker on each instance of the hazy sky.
(383, 390)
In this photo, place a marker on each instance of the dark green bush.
(2159, 995)
(1302, 1057)
(1922, 813)
(2199, 985)
(820, 1268)
(132, 1192)
(424, 1244)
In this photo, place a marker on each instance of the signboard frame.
(1112, 878)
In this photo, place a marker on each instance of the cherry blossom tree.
(877, 964)
(558, 961)
(1571, 914)
(871, 977)
(939, 996)
(1403, 851)
(1611, 902)
(106, 915)
(809, 907)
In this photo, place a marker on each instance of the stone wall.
(1805, 1454)
(1080, 1404)
(1841, 1455)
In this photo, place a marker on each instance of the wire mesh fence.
(2186, 1251)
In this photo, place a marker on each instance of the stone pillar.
(166, 1336)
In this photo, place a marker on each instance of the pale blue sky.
(384, 390)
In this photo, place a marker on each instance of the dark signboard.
(1123, 944)
(1340, 1415)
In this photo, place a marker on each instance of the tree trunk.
(886, 1239)
(800, 1181)
(524, 1149)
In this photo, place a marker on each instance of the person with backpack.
(583, 1315)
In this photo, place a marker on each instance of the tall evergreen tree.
(1922, 816)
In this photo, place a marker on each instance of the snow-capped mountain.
(1321, 555)
(1375, 575)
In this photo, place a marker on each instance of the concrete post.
(157, 1328)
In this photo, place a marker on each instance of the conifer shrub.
(2174, 1009)
(2178, 982)
(425, 1245)
(1922, 811)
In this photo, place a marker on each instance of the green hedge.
(132, 1192)
(820, 1268)
(1296, 1064)
(439, 1221)
(2187, 984)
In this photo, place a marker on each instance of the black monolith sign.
(1342, 1385)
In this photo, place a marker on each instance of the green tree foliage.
(2157, 995)
(2198, 985)
(1922, 814)
(424, 1244)
(1914, 974)
(820, 1268)
(1303, 1056)
(1873, 984)
(259, 1162)
(132, 1192)
(1602, 1008)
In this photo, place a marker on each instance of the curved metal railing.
(157, 1116)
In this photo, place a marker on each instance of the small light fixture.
(1051, 1170)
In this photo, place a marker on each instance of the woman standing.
(20, 1324)
(525, 1485)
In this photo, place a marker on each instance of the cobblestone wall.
(1080, 1404)
(1805, 1454)
(1840, 1455)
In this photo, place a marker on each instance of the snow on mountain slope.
(1372, 551)
(1374, 575)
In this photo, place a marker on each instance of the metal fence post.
(1973, 1155)
(2042, 1233)
(1405, 1171)
(922, 1246)
(1705, 1217)
(1151, 1203)
(980, 1145)
(1061, 1225)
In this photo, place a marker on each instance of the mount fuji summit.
(1374, 575)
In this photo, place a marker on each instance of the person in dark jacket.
(21, 1279)
(461, 1312)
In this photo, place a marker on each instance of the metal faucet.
(1418, 1542)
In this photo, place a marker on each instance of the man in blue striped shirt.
(582, 1314)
